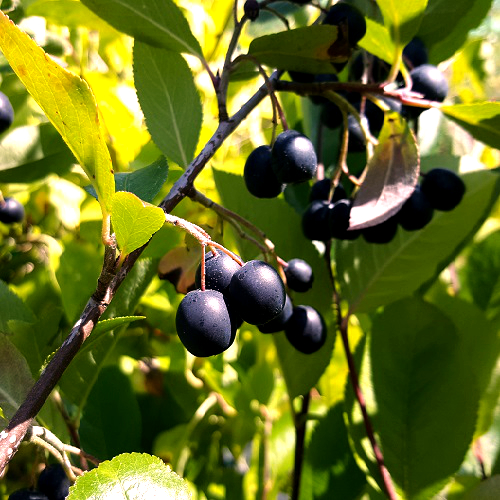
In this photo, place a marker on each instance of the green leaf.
(15, 376)
(412, 346)
(130, 476)
(32, 152)
(446, 24)
(133, 221)
(107, 325)
(392, 174)
(378, 41)
(169, 100)
(330, 470)
(67, 101)
(101, 432)
(77, 275)
(156, 22)
(311, 49)
(301, 371)
(13, 308)
(81, 375)
(481, 120)
(402, 18)
(145, 183)
(374, 275)
(489, 489)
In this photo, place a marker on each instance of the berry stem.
(342, 325)
(202, 272)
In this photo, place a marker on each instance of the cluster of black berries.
(207, 320)
(53, 484)
(328, 216)
(291, 160)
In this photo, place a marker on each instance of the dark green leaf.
(391, 177)
(372, 275)
(481, 120)
(13, 308)
(446, 23)
(489, 489)
(133, 476)
(156, 22)
(32, 152)
(111, 421)
(330, 470)
(145, 183)
(311, 49)
(169, 100)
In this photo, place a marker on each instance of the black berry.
(381, 233)
(416, 211)
(259, 176)
(415, 53)
(315, 221)
(306, 329)
(331, 116)
(357, 142)
(443, 188)
(27, 494)
(219, 270)
(348, 18)
(257, 292)
(299, 275)
(205, 324)
(54, 483)
(293, 157)
(338, 220)
(6, 113)
(251, 9)
(11, 211)
(278, 324)
(320, 190)
(323, 78)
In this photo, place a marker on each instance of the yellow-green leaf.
(67, 101)
(134, 221)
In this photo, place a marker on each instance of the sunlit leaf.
(378, 41)
(156, 22)
(311, 49)
(68, 103)
(481, 120)
(392, 174)
(169, 100)
(130, 476)
(13, 308)
(133, 221)
(402, 18)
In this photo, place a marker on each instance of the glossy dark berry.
(219, 270)
(320, 190)
(338, 220)
(357, 142)
(293, 157)
(416, 211)
(259, 176)
(251, 9)
(306, 329)
(205, 324)
(257, 292)
(381, 233)
(444, 188)
(348, 18)
(431, 83)
(11, 211)
(415, 53)
(315, 221)
(299, 275)
(6, 113)
(331, 116)
(278, 324)
(27, 494)
(53, 482)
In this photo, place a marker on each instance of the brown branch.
(108, 283)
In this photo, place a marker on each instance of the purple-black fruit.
(315, 221)
(293, 158)
(348, 18)
(257, 292)
(6, 113)
(415, 53)
(219, 270)
(53, 482)
(259, 176)
(381, 233)
(27, 494)
(251, 9)
(299, 275)
(443, 188)
(416, 211)
(11, 211)
(205, 323)
(306, 329)
(338, 220)
(278, 324)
